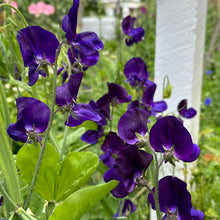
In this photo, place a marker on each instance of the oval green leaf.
(80, 202)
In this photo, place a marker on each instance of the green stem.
(156, 194)
(64, 150)
(42, 151)
(7, 197)
(111, 116)
(5, 105)
(17, 11)
(84, 147)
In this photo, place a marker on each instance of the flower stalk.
(43, 148)
(17, 11)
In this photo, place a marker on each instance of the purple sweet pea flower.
(92, 136)
(168, 135)
(66, 96)
(128, 208)
(132, 121)
(68, 92)
(147, 100)
(1, 200)
(134, 34)
(32, 119)
(116, 94)
(108, 160)
(85, 46)
(184, 111)
(197, 214)
(113, 143)
(131, 163)
(38, 47)
(135, 71)
(174, 199)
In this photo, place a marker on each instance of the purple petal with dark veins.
(90, 137)
(37, 43)
(103, 104)
(86, 60)
(128, 24)
(132, 121)
(32, 115)
(69, 91)
(148, 95)
(169, 131)
(33, 74)
(159, 106)
(119, 92)
(113, 143)
(134, 105)
(133, 162)
(69, 22)
(120, 190)
(136, 70)
(83, 112)
(108, 160)
(184, 111)
(87, 40)
(173, 195)
(137, 34)
(197, 214)
(17, 132)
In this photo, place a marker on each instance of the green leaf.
(3, 69)
(80, 202)
(56, 181)
(75, 170)
(27, 160)
(7, 165)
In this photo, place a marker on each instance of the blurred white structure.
(180, 36)
(105, 26)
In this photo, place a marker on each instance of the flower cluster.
(127, 152)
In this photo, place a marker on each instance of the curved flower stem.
(43, 148)
(17, 11)
(7, 197)
(161, 162)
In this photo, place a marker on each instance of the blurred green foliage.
(206, 176)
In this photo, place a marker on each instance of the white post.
(180, 35)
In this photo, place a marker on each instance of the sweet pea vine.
(130, 150)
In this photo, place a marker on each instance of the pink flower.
(41, 8)
(49, 10)
(13, 3)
